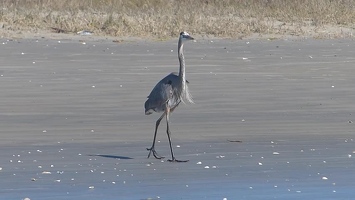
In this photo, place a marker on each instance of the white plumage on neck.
(185, 94)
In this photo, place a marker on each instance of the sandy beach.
(272, 119)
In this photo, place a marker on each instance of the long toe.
(175, 160)
(150, 151)
(155, 154)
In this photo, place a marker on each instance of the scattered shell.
(324, 178)
(26, 198)
(207, 167)
(199, 163)
(91, 187)
(260, 163)
(275, 153)
(84, 32)
(46, 172)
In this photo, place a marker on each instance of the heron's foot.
(155, 154)
(175, 160)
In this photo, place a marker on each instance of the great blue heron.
(167, 95)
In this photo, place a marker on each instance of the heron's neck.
(182, 62)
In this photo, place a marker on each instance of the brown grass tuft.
(166, 18)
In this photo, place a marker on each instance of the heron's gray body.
(167, 93)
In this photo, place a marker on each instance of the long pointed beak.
(189, 37)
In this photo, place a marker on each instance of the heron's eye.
(169, 82)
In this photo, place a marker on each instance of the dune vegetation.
(166, 18)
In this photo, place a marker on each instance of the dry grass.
(166, 18)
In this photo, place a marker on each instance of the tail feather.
(147, 108)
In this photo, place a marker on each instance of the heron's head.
(184, 36)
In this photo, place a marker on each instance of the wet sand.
(73, 124)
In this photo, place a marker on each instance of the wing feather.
(167, 92)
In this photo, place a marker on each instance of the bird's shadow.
(112, 156)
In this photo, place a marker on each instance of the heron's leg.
(152, 149)
(173, 108)
(168, 133)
